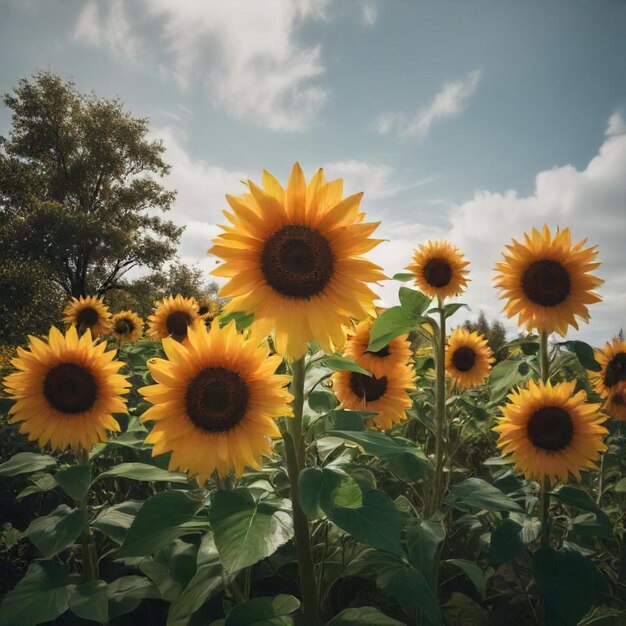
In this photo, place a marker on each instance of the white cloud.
(449, 102)
(616, 125)
(369, 13)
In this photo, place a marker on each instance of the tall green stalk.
(88, 542)
(295, 453)
(544, 498)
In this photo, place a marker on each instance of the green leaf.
(506, 375)
(404, 277)
(390, 324)
(242, 319)
(477, 493)
(336, 362)
(41, 596)
(57, 531)
(322, 401)
(473, 572)
(247, 530)
(584, 353)
(144, 472)
(576, 497)
(171, 568)
(413, 301)
(461, 610)
(363, 616)
(506, 542)
(41, 483)
(620, 486)
(115, 520)
(424, 541)
(26, 463)
(126, 593)
(74, 481)
(322, 490)
(159, 521)
(269, 611)
(207, 581)
(90, 601)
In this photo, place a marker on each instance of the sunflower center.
(87, 318)
(369, 388)
(615, 370)
(546, 283)
(550, 428)
(619, 399)
(382, 353)
(124, 327)
(177, 323)
(437, 272)
(297, 261)
(70, 388)
(216, 399)
(463, 359)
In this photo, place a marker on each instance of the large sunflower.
(439, 269)
(396, 352)
(127, 326)
(551, 431)
(612, 360)
(547, 280)
(293, 258)
(387, 395)
(215, 402)
(66, 390)
(172, 317)
(615, 405)
(468, 358)
(88, 313)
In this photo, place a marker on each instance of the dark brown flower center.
(177, 323)
(382, 353)
(615, 370)
(70, 388)
(369, 388)
(297, 261)
(437, 273)
(619, 399)
(550, 428)
(546, 283)
(463, 359)
(216, 399)
(124, 327)
(87, 318)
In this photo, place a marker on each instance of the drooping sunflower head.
(551, 431)
(293, 258)
(615, 404)
(387, 395)
(172, 317)
(468, 358)
(547, 280)
(127, 326)
(396, 352)
(215, 402)
(88, 313)
(439, 269)
(612, 360)
(66, 390)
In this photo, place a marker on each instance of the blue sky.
(471, 120)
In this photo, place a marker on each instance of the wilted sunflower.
(547, 280)
(387, 395)
(439, 269)
(396, 352)
(294, 260)
(468, 358)
(612, 360)
(127, 326)
(172, 317)
(215, 402)
(88, 313)
(551, 431)
(615, 405)
(66, 390)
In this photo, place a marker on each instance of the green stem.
(544, 499)
(295, 453)
(88, 542)
(601, 482)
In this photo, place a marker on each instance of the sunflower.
(439, 269)
(615, 405)
(547, 280)
(551, 431)
(209, 309)
(215, 402)
(88, 313)
(293, 258)
(66, 390)
(468, 358)
(612, 360)
(172, 318)
(387, 395)
(396, 352)
(127, 326)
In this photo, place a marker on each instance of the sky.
(470, 120)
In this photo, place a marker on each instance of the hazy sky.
(470, 120)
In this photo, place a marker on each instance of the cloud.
(449, 102)
(616, 125)
(369, 13)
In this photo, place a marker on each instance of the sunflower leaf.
(26, 463)
(337, 362)
(54, 532)
(584, 353)
(144, 472)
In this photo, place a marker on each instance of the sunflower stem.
(88, 542)
(296, 461)
(544, 499)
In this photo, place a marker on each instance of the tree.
(79, 190)
(494, 332)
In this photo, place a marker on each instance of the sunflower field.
(289, 453)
